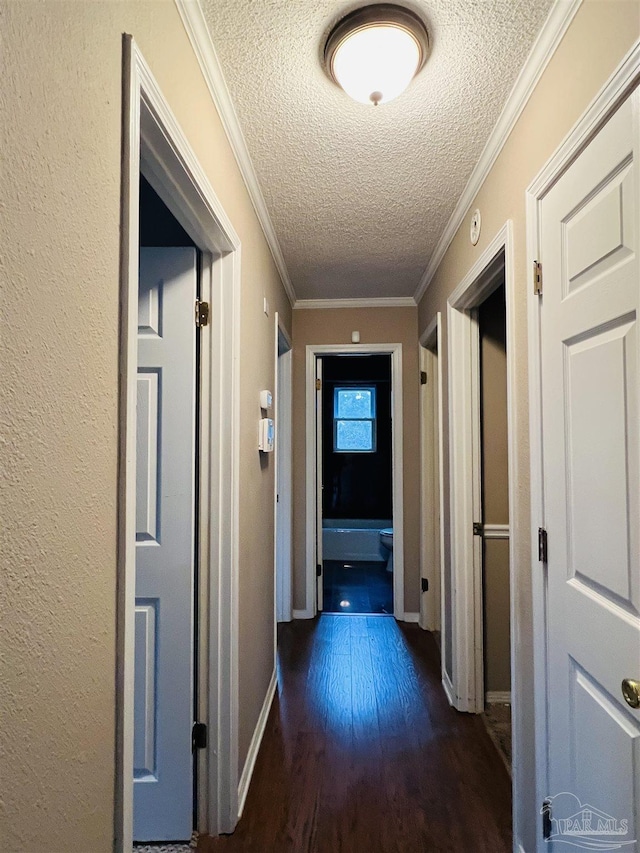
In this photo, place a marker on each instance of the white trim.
(448, 688)
(495, 531)
(431, 477)
(430, 334)
(464, 453)
(411, 617)
(498, 697)
(464, 472)
(282, 463)
(254, 746)
(395, 350)
(549, 37)
(155, 144)
(200, 38)
(623, 81)
(373, 302)
(625, 78)
(303, 614)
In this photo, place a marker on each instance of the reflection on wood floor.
(357, 587)
(362, 753)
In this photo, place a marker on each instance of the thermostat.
(265, 436)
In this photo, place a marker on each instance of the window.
(354, 420)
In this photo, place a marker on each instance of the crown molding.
(196, 26)
(549, 37)
(380, 302)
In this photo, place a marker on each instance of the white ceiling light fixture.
(376, 51)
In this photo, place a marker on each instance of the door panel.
(163, 708)
(589, 346)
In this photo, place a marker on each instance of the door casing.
(465, 688)
(431, 480)
(311, 468)
(624, 79)
(283, 478)
(154, 144)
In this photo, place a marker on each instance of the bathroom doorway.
(349, 500)
(356, 494)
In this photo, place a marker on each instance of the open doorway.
(315, 354)
(166, 594)
(494, 530)
(155, 147)
(356, 490)
(482, 465)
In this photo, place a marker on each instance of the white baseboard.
(498, 697)
(254, 746)
(448, 689)
(302, 614)
(411, 617)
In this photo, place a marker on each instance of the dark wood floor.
(362, 753)
(356, 587)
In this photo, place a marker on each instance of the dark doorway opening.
(357, 483)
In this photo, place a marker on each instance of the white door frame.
(466, 689)
(154, 144)
(312, 352)
(625, 78)
(431, 480)
(283, 472)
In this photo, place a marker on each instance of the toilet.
(386, 540)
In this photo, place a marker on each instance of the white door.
(319, 485)
(163, 708)
(589, 349)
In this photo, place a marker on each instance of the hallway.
(363, 753)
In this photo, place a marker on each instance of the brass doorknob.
(631, 692)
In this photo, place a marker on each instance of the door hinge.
(199, 736)
(424, 584)
(547, 827)
(318, 571)
(423, 377)
(202, 313)
(543, 547)
(537, 278)
(318, 384)
(478, 528)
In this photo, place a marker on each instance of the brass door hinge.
(202, 313)
(537, 278)
(318, 384)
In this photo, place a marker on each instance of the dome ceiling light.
(375, 52)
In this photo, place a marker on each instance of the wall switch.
(266, 306)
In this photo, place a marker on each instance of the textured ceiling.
(359, 195)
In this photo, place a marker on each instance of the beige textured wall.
(495, 491)
(376, 326)
(599, 36)
(60, 119)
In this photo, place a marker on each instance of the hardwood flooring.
(357, 587)
(363, 754)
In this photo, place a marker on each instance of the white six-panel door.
(163, 707)
(589, 243)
